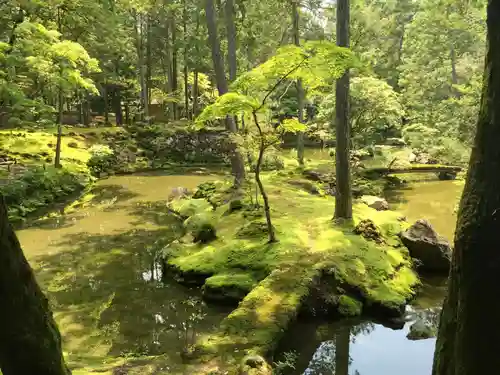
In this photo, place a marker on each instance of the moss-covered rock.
(349, 306)
(369, 230)
(253, 229)
(228, 287)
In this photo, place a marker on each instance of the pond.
(368, 348)
(97, 266)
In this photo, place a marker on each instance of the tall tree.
(464, 347)
(343, 199)
(300, 90)
(238, 168)
(30, 342)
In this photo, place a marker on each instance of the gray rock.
(430, 249)
(379, 204)
(421, 331)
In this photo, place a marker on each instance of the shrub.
(270, 162)
(102, 159)
(202, 227)
(38, 187)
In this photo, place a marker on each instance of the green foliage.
(38, 187)
(376, 110)
(102, 159)
(270, 162)
(349, 306)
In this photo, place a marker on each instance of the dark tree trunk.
(86, 110)
(174, 65)
(342, 343)
(60, 112)
(117, 106)
(186, 68)
(106, 104)
(300, 90)
(195, 94)
(30, 342)
(127, 113)
(465, 346)
(343, 199)
(238, 168)
(231, 39)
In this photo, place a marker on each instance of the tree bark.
(343, 199)
(231, 39)
(464, 346)
(238, 168)
(195, 94)
(300, 90)
(60, 112)
(117, 106)
(106, 104)
(30, 342)
(342, 343)
(186, 68)
(174, 65)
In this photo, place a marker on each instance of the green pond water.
(97, 265)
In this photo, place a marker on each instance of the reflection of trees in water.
(332, 356)
(430, 316)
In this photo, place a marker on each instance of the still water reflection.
(367, 348)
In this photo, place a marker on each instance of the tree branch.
(280, 81)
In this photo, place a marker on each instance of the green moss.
(190, 207)
(349, 306)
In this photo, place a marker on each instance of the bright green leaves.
(228, 104)
(317, 64)
(292, 125)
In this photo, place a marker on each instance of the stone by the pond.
(317, 176)
(432, 250)
(379, 204)
(179, 192)
(205, 233)
(421, 331)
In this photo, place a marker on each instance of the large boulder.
(431, 250)
(421, 331)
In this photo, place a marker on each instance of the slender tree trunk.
(148, 63)
(342, 343)
(464, 346)
(106, 104)
(174, 65)
(238, 167)
(168, 67)
(127, 113)
(195, 94)
(231, 44)
(300, 90)
(231, 39)
(186, 68)
(142, 67)
(86, 110)
(267, 209)
(117, 105)
(60, 112)
(343, 199)
(30, 342)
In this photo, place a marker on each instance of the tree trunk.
(30, 342)
(267, 209)
(231, 39)
(300, 90)
(343, 199)
(464, 346)
(342, 343)
(148, 63)
(106, 104)
(174, 65)
(127, 113)
(238, 168)
(142, 67)
(60, 104)
(117, 105)
(195, 94)
(186, 68)
(86, 110)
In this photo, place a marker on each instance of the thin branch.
(284, 92)
(280, 81)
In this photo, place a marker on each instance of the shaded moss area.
(372, 276)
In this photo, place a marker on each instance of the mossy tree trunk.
(343, 199)
(30, 342)
(465, 345)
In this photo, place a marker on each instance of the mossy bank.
(316, 267)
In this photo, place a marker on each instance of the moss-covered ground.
(278, 277)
